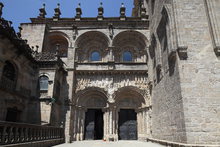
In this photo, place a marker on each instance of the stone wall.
(39, 34)
(199, 75)
(186, 103)
(22, 94)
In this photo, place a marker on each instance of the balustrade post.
(46, 134)
(43, 134)
(1, 133)
(23, 134)
(33, 134)
(36, 134)
(30, 134)
(26, 134)
(13, 134)
(4, 134)
(52, 133)
(10, 138)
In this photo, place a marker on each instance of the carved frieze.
(112, 83)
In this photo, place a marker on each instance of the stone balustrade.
(18, 133)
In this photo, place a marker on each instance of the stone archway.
(88, 113)
(94, 100)
(130, 104)
(133, 42)
(89, 42)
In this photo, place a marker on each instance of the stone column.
(111, 57)
(148, 122)
(74, 127)
(111, 135)
(82, 123)
(78, 125)
(145, 121)
(144, 114)
(140, 125)
(110, 121)
(116, 123)
(108, 128)
(105, 123)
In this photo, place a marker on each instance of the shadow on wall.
(168, 111)
(61, 105)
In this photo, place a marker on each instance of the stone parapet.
(177, 144)
(20, 134)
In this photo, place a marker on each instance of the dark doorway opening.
(94, 124)
(13, 115)
(127, 124)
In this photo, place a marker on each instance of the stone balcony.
(111, 66)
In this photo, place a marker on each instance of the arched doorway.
(93, 124)
(89, 123)
(130, 104)
(127, 124)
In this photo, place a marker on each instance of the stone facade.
(163, 64)
(184, 43)
(18, 76)
(110, 83)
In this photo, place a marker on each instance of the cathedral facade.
(106, 62)
(153, 76)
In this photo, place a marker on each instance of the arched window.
(44, 81)
(127, 56)
(95, 56)
(9, 71)
(56, 42)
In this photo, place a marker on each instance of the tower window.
(9, 71)
(95, 56)
(127, 56)
(9, 76)
(44, 81)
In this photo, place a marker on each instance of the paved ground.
(110, 144)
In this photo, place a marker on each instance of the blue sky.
(19, 11)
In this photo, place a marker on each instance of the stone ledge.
(44, 143)
(176, 144)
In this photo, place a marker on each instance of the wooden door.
(127, 128)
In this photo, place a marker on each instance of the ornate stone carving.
(95, 102)
(46, 56)
(128, 102)
(112, 83)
